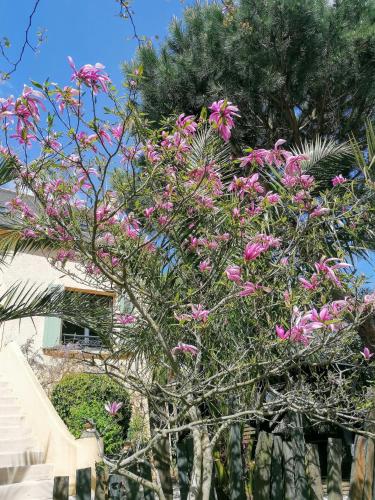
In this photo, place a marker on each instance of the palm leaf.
(24, 300)
(12, 242)
(7, 169)
(326, 159)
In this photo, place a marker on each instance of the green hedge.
(82, 396)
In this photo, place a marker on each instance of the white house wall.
(34, 268)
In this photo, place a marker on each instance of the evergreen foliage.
(296, 69)
(80, 397)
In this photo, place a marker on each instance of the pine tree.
(295, 68)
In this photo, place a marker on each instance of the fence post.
(277, 475)
(362, 473)
(145, 472)
(185, 451)
(313, 472)
(262, 471)
(334, 475)
(61, 488)
(235, 466)
(298, 445)
(357, 475)
(289, 482)
(83, 481)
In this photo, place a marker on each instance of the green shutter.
(52, 331)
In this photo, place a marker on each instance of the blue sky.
(88, 30)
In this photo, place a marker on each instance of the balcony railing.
(81, 341)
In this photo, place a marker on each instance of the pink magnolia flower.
(277, 156)
(91, 76)
(339, 179)
(125, 319)
(248, 289)
(198, 313)
(312, 284)
(186, 124)
(68, 96)
(29, 233)
(329, 270)
(272, 198)
(113, 407)
(293, 164)
(148, 212)
(118, 131)
(252, 251)
(185, 348)
(257, 156)
(6, 106)
(222, 115)
(319, 211)
(204, 266)
(367, 354)
(281, 333)
(233, 273)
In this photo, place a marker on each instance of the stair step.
(16, 458)
(27, 490)
(14, 431)
(20, 443)
(10, 410)
(11, 420)
(8, 400)
(38, 472)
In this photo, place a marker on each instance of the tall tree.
(295, 68)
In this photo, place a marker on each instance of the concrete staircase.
(23, 473)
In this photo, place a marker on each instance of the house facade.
(50, 336)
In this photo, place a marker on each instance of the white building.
(47, 333)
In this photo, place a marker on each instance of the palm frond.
(7, 169)
(207, 148)
(326, 159)
(24, 300)
(12, 242)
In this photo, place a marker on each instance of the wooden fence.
(282, 470)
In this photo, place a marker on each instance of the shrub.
(81, 397)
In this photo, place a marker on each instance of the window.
(80, 335)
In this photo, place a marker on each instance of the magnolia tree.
(239, 299)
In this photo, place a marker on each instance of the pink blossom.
(252, 251)
(185, 348)
(198, 313)
(148, 212)
(186, 124)
(6, 106)
(293, 164)
(68, 96)
(277, 156)
(233, 273)
(222, 115)
(151, 154)
(64, 255)
(367, 354)
(272, 198)
(29, 233)
(91, 76)
(310, 285)
(125, 319)
(204, 266)
(329, 270)
(281, 333)
(113, 407)
(118, 131)
(319, 211)
(248, 288)
(257, 156)
(339, 179)
(284, 261)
